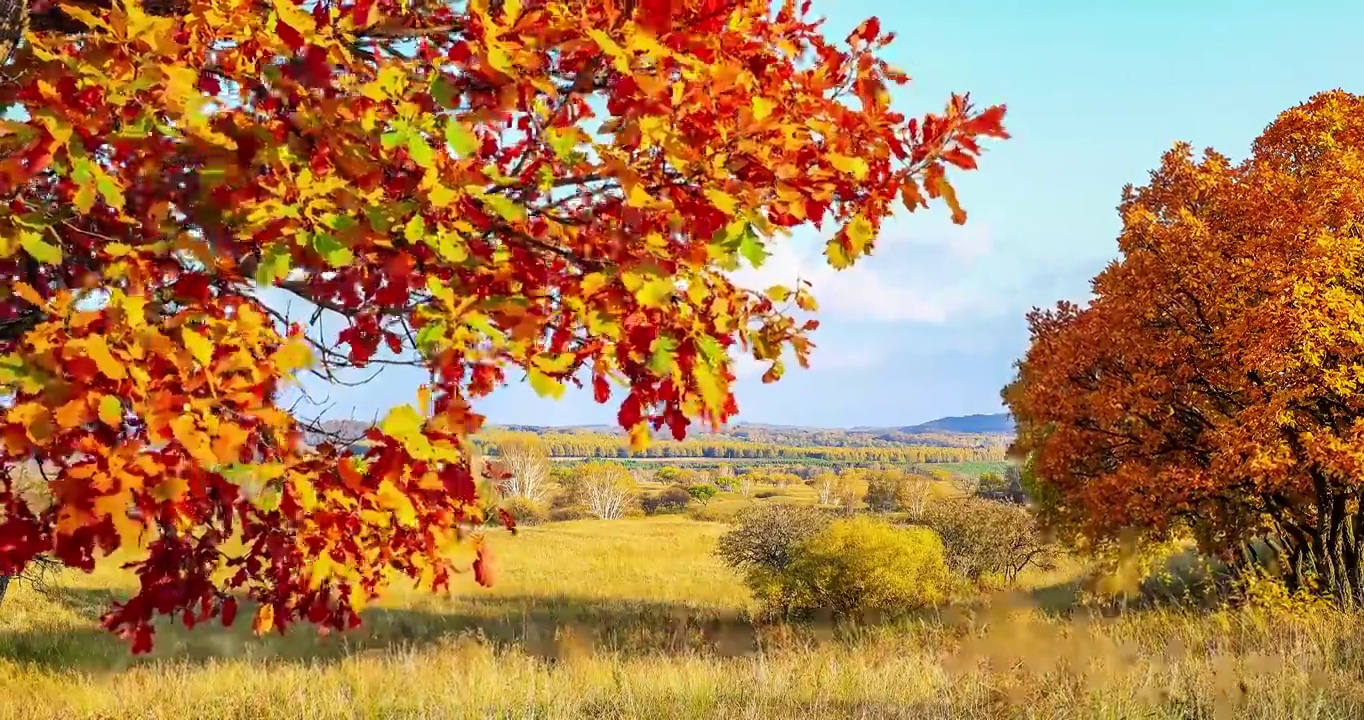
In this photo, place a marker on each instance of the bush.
(859, 565)
(764, 495)
(765, 537)
(985, 537)
(667, 501)
(565, 513)
(526, 511)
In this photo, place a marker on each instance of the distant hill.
(985, 424)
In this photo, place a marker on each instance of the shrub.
(565, 513)
(767, 494)
(765, 537)
(858, 565)
(526, 511)
(985, 537)
(667, 501)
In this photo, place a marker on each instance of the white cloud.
(876, 289)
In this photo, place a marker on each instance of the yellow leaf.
(228, 440)
(543, 384)
(857, 167)
(170, 489)
(394, 500)
(656, 293)
(722, 200)
(762, 108)
(111, 411)
(320, 571)
(296, 18)
(619, 58)
(72, 414)
(402, 422)
(199, 346)
(592, 282)
(293, 355)
(860, 232)
(265, 619)
(97, 349)
(304, 492)
(639, 437)
(195, 441)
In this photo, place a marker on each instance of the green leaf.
(443, 92)
(544, 385)
(431, 336)
(392, 139)
(113, 194)
(461, 138)
(665, 352)
(41, 250)
(752, 248)
(331, 250)
(274, 265)
(420, 152)
(378, 221)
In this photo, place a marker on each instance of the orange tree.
(554, 186)
(1212, 386)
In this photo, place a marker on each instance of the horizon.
(931, 324)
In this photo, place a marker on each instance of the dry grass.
(635, 619)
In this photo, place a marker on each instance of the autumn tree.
(826, 487)
(607, 489)
(547, 190)
(1211, 387)
(526, 468)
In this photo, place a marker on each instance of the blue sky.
(931, 324)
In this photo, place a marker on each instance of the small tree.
(915, 491)
(745, 484)
(702, 493)
(985, 537)
(607, 489)
(990, 484)
(826, 486)
(523, 458)
(884, 490)
(765, 537)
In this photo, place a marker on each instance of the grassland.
(636, 619)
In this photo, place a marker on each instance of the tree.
(486, 191)
(1210, 388)
(990, 483)
(883, 491)
(607, 489)
(702, 493)
(914, 493)
(826, 487)
(745, 483)
(527, 466)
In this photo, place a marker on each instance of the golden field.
(636, 618)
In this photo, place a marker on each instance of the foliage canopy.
(554, 186)
(1212, 385)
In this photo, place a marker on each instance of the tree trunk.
(4, 587)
